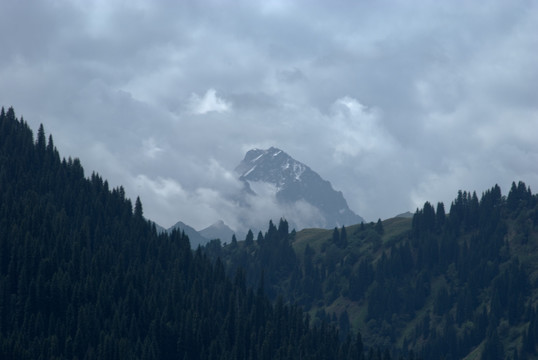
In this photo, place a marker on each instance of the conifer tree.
(249, 240)
(138, 212)
(336, 237)
(234, 241)
(379, 227)
(343, 237)
(440, 216)
(41, 140)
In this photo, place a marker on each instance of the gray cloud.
(394, 103)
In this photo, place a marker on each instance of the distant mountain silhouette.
(218, 230)
(194, 236)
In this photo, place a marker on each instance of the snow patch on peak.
(258, 157)
(251, 170)
(298, 170)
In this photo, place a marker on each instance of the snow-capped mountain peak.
(295, 181)
(272, 165)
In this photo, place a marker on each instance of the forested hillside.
(84, 276)
(452, 286)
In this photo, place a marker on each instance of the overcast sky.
(393, 102)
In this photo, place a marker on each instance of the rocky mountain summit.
(294, 182)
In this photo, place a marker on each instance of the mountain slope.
(457, 285)
(294, 181)
(84, 275)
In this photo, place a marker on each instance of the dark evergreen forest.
(448, 286)
(84, 276)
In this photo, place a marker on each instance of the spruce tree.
(41, 140)
(336, 237)
(343, 236)
(379, 227)
(138, 212)
(249, 240)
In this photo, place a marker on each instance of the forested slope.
(452, 286)
(84, 275)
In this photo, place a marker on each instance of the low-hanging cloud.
(207, 103)
(358, 130)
